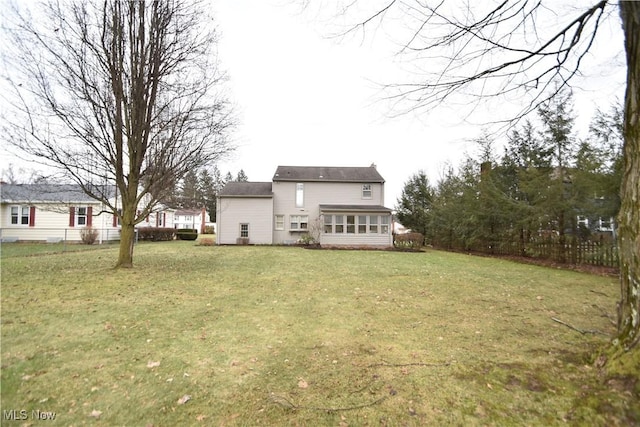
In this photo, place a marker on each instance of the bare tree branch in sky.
(116, 93)
(518, 54)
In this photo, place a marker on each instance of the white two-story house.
(336, 206)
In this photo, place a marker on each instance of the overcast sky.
(307, 99)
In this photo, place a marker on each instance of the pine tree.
(414, 205)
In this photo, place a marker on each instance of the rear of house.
(335, 206)
(244, 212)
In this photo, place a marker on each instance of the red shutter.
(115, 220)
(32, 216)
(164, 219)
(89, 216)
(72, 214)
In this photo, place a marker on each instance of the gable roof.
(44, 193)
(246, 189)
(188, 212)
(327, 174)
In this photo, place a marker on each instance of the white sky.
(307, 100)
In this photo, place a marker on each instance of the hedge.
(413, 241)
(156, 234)
(187, 234)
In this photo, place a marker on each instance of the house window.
(384, 224)
(351, 224)
(328, 223)
(187, 218)
(299, 222)
(20, 215)
(339, 223)
(81, 216)
(604, 224)
(373, 224)
(362, 224)
(583, 221)
(367, 193)
(244, 230)
(299, 195)
(160, 219)
(279, 222)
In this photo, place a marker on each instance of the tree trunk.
(629, 217)
(127, 236)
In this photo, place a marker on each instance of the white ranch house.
(339, 206)
(58, 212)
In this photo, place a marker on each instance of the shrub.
(209, 229)
(413, 241)
(156, 234)
(206, 242)
(307, 240)
(187, 234)
(88, 235)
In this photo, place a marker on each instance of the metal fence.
(57, 235)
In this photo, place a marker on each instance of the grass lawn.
(208, 335)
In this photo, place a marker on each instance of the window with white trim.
(299, 195)
(244, 230)
(362, 224)
(367, 192)
(384, 224)
(583, 220)
(328, 224)
(351, 224)
(81, 216)
(339, 224)
(279, 222)
(373, 224)
(298, 222)
(20, 215)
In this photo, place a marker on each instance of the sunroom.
(356, 225)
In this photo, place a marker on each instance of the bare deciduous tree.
(117, 94)
(465, 53)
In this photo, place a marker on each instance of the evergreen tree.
(190, 196)
(414, 205)
(560, 201)
(242, 177)
(207, 190)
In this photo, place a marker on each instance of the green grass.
(288, 336)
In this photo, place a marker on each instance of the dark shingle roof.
(246, 189)
(323, 173)
(45, 193)
(353, 208)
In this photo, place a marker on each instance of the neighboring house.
(336, 206)
(162, 217)
(56, 212)
(191, 218)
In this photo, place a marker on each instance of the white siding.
(377, 240)
(257, 212)
(52, 222)
(316, 194)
